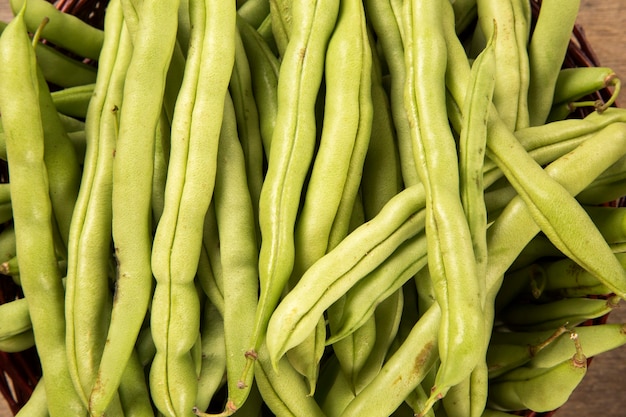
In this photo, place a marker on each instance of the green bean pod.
(32, 213)
(37, 404)
(293, 143)
(546, 50)
(248, 125)
(386, 27)
(209, 272)
(254, 11)
(402, 371)
(213, 356)
(363, 298)
(503, 357)
(281, 17)
(238, 251)
(264, 71)
(512, 20)
(283, 389)
(595, 339)
(575, 83)
(451, 258)
(133, 390)
(387, 319)
(336, 272)
(552, 314)
(88, 300)
(133, 167)
(18, 342)
(611, 221)
(62, 29)
(59, 69)
(539, 389)
(382, 172)
(331, 190)
(73, 101)
(196, 126)
(15, 318)
(335, 391)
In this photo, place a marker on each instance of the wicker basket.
(19, 372)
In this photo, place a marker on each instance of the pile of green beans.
(308, 208)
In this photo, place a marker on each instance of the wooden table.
(602, 391)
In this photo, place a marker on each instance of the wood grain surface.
(602, 391)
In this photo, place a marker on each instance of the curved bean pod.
(293, 143)
(131, 192)
(546, 50)
(32, 213)
(198, 119)
(63, 29)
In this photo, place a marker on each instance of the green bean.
(501, 259)
(611, 221)
(283, 389)
(88, 301)
(7, 243)
(539, 389)
(575, 83)
(15, 318)
(472, 144)
(335, 175)
(551, 314)
(281, 17)
(363, 298)
(306, 356)
(454, 277)
(59, 69)
(32, 213)
(213, 355)
(353, 350)
(131, 194)
(382, 17)
(402, 371)
(382, 173)
(37, 405)
(63, 29)
(566, 277)
(330, 277)
(6, 212)
(546, 50)
(503, 357)
(73, 101)
(387, 319)
(18, 343)
(133, 390)
(254, 11)
(62, 165)
(248, 125)
(264, 75)
(595, 339)
(555, 220)
(238, 249)
(512, 77)
(159, 173)
(188, 192)
(209, 271)
(293, 143)
(145, 346)
(335, 391)
(184, 27)
(465, 13)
